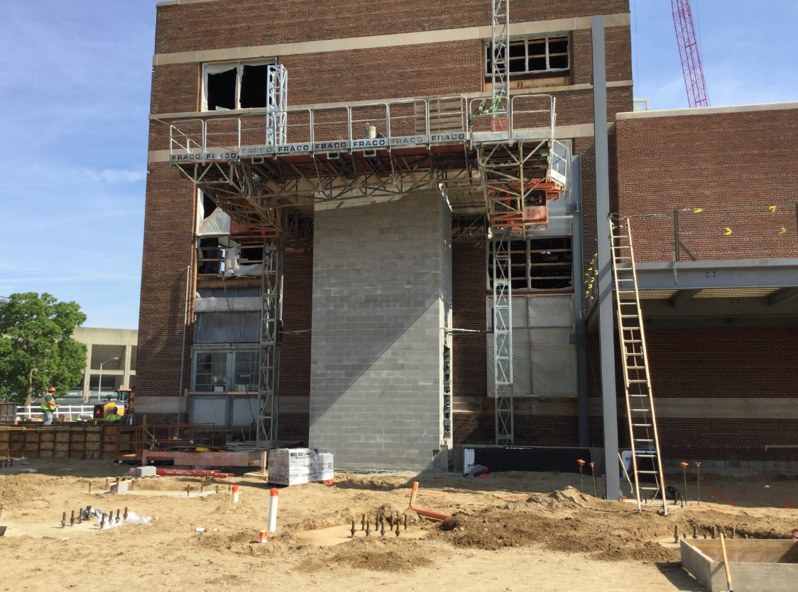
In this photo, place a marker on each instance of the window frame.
(231, 353)
(218, 68)
(547, 39)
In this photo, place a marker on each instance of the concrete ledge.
(666, 407)
(700, 111)
(379, 41)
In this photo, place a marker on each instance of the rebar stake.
(684, 471)
(72, 518)
(125, 512)
(405, 521)
(368, 527)
(593, 472)
(675, 534)
(382, 526)
(353, 528)
(117, 515)
(714, 532)
(80, 516)
(63, 520)
(698, 484)
(363, 522)
(695, 531)
(732, 536)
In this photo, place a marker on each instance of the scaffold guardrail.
(365, 127)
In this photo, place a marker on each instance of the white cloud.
(116, 176)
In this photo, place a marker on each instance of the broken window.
(539, 264)
(235, 86)
(537, 55)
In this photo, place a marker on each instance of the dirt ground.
(508, 532)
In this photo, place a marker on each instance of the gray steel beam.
(736, 273)
(581, 345)
(782, 295)
(683, 297)
(606, 333)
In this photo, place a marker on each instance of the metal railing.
(408, 121)
(31, 411)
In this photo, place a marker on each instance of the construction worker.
(114, 415)
(49, 406)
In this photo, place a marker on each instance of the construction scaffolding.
(449, 144)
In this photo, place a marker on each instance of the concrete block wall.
(381, 288)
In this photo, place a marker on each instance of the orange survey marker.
(434, 516)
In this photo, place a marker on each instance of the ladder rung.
(617, 258)
(639, 410)
(626, 291)
(646, 455)
(634, 354)
(640, 396)
(641, 425)
(649, 472)
(648, 487)
(632, 341)
(632, 316)
(637, 381)
(622, 247)
(643, 440)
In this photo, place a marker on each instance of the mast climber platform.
(267, 170)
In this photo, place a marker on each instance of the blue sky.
(74, 100)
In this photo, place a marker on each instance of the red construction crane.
(688, 51)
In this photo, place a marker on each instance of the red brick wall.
(719, 363)
(469, 350)
(734, 166)
(297, 309)
(246, 23)
(168, 250)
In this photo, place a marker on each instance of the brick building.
(385, 341)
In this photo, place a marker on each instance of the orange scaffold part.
(530, 217)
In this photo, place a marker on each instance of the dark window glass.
(253, 86)
(222, 90)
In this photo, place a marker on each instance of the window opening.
(539, 264)
(236, 86)
(254, 80)
(538, 55)
(221, 90)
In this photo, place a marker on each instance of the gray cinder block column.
(381, 301)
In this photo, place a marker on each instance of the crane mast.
(688, 52)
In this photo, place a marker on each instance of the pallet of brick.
(290, 466)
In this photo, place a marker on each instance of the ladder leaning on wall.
(644, 442)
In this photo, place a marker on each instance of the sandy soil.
(508, 532)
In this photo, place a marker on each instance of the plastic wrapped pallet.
(323, 467)
(291, 466)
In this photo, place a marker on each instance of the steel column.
(604, 262)
(581, 345)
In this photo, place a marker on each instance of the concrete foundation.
(754, 565)
(382, 286)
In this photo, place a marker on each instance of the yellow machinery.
(122, 401)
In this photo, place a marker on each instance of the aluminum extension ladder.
(646, 459)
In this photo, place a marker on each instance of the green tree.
(36, 346)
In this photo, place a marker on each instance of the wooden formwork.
(57, 442)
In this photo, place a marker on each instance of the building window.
(536, 55)
(246, 372)
(235, 85)
(226, 371)
(211, 374)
